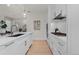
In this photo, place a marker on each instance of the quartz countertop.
(5, 39)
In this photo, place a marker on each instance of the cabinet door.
(14, 48)
(28, 43)
(50, 42)
(59, 46)
(19, 47)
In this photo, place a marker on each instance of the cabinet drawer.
(57, 51)
(59, 42)
(60, 46)
(62, 49)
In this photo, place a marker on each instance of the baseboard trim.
(28, 49)
(50, 49)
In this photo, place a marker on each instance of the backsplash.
(60, 25)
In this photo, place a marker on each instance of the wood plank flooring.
(39, 47)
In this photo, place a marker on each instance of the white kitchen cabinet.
(14, 48)
(50, 43)
(57, 45)
(18, 47)
(27, 43)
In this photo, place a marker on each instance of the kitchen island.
(15, 44)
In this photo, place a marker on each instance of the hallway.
(39, 47)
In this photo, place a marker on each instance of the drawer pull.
(25, 43)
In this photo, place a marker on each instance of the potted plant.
(3, 26)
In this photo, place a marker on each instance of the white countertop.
(5, 39)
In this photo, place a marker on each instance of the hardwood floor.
(39, 47)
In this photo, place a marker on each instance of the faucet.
(12, 28)
(56, 29)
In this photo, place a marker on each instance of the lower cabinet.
(15, 48)
(57, 46)
(19, 47)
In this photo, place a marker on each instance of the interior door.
(47, 30)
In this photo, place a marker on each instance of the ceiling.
(17, 10)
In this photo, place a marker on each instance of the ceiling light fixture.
(24, 14)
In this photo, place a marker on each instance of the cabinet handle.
(25, 43)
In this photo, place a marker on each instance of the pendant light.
(24, 12)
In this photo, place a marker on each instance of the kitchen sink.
(16, 35)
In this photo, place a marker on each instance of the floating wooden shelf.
(59, 18)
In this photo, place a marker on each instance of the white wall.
(73, 29)
(37, 34)
(60, 25)
(62, 7)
